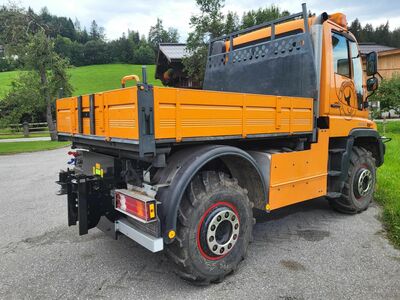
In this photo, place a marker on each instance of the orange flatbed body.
(186, 114)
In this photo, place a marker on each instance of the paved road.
(303, 252)
(32, 139)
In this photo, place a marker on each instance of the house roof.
(366, 48)
(173, 52)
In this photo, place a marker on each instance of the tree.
(24, 35)
(356, 29)
(122, 50)
(382, 34)
(134, 36)
(14, 27)
(23, 103)
(144, 55)
(209, 24)
(41, 58)
(173, 35)
(95, 52)
(262, 15)
(96, 32)
(388, 94)
(158, 35)
(232, 23)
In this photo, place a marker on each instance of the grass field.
(91, 79)
(19, 147)
(5, 81)
(387, 193)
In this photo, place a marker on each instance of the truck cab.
(282, 118)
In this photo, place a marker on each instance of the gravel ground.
(305, 251)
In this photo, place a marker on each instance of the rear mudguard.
(184, 165)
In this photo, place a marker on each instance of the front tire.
(359, 186)
(214, 228)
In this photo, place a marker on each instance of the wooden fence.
(26, 129)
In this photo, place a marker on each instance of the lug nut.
(226, 215)
(222, 250)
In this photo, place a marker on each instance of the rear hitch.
(64, 177)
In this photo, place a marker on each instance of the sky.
(119, 16)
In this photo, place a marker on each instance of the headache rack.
(274, 58)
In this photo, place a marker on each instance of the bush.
(144, 55)
(388, 94)
(8, 64)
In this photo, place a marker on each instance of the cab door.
(346, 91)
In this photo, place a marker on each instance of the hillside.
(91, 79)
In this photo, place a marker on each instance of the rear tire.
(214, 228)
(359, 186)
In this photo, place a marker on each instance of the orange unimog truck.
(282, 118)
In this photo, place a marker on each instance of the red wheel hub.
(218, 230)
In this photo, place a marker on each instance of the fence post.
(384, 125)
(26, 129)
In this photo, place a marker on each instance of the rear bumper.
(151, 243)
(90, 205)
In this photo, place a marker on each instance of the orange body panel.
(185, 113)
(300, 175)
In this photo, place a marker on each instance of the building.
(169, 68)
(388, 66)
(388, 58)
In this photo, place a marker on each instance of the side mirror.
(372, 84)
(372, 63)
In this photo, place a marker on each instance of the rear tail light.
(74, 153)
(136, 205)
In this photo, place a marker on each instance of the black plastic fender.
(373, 135)
(364, 137)
(182, 166)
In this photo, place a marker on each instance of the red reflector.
(131, 205)
(73, 153)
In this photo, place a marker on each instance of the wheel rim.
(363, 182)
(218, 231)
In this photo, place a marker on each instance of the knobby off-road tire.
(359, 186)
(214, 228)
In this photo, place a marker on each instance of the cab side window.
(341, 61)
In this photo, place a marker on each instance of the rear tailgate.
(115, 115)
